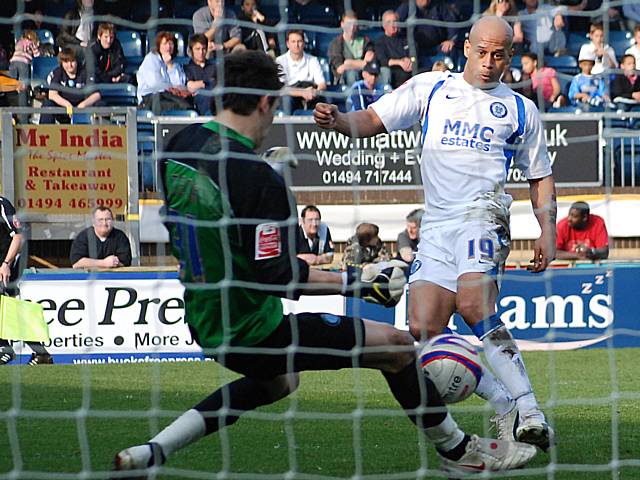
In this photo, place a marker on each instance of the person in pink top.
(544, 81)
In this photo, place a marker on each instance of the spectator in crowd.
(161, 80)
(507, 8)
(27, 48)
(108, 56)
(587, 90)
(12, 240)
(392, 52)
(635, 49)
(431, 39)
(313, 239)
(543, 82)
(364, 247)
(582, 235)
(101, 245)
(439, 66)
(69, 86)
(218, 25)
(408, 239)
(200, 74)
(302, 73)
(604, 54)
(78, 28)
(625, 87)
(349, 52)
(592, 13)
(543, 28)
(366, 91)
(255, 38)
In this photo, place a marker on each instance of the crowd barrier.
(138, 316)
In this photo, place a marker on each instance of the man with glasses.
(313, 242)
(101, 245)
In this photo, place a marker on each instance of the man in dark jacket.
(432, 39)
(108, 57)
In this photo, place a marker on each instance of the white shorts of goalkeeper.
(446, 252)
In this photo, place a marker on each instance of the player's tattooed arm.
(543, 200)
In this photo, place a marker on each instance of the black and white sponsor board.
(331, 161)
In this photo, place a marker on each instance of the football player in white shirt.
(473, 128)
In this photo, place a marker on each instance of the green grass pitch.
(67, 421)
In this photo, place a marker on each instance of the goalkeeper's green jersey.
(232, 224)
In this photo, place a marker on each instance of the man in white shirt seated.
(302, 73)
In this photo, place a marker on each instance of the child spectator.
(587, 89)
(605, 57)
(635, 49)
(108, 56)
(366, 91)
(27, 48)
(68, 87)
(625, 87)
(542, 79)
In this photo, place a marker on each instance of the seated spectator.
(255, 38)
(78, 27)
(582, 235)
(544, 81)
(313, 240)
(392, 52)
(213, 21)
(432, 39)
(586, 89)
(101, 245)
(543, 28)
(349, 52)
(27, 48)
(302, 73)
(625, 87)
(161, 81)
(507, 8)
(439, 66)
(69, 86)
(108, 57)
(364, 247)
(366, 91)
(635, 49)
(200, 74)
(631, 12)
(605, 57)
(408, 239)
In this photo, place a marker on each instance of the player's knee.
(470, 309)
(421, 329)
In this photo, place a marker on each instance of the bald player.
(473, 128)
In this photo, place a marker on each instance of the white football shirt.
(470, 137)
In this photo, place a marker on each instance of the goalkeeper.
(232, 223)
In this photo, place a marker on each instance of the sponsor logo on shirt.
(467, 135)
(267, 241)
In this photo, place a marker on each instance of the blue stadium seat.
(323, 40)
(302, 113)
(131, 42)
(118, 94)
(316, 14)
(41, 67)
(180, 113)
(81, 119)
(326, 69)
(564, 64)
(620, 41)
(516, 62)
(182, 60)
(45, 36)
(575, 41)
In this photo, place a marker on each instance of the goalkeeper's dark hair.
(249, 69)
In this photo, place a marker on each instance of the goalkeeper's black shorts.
(303, 341)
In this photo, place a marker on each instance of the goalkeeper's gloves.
(382, 283)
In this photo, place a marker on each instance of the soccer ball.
(453, 365)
